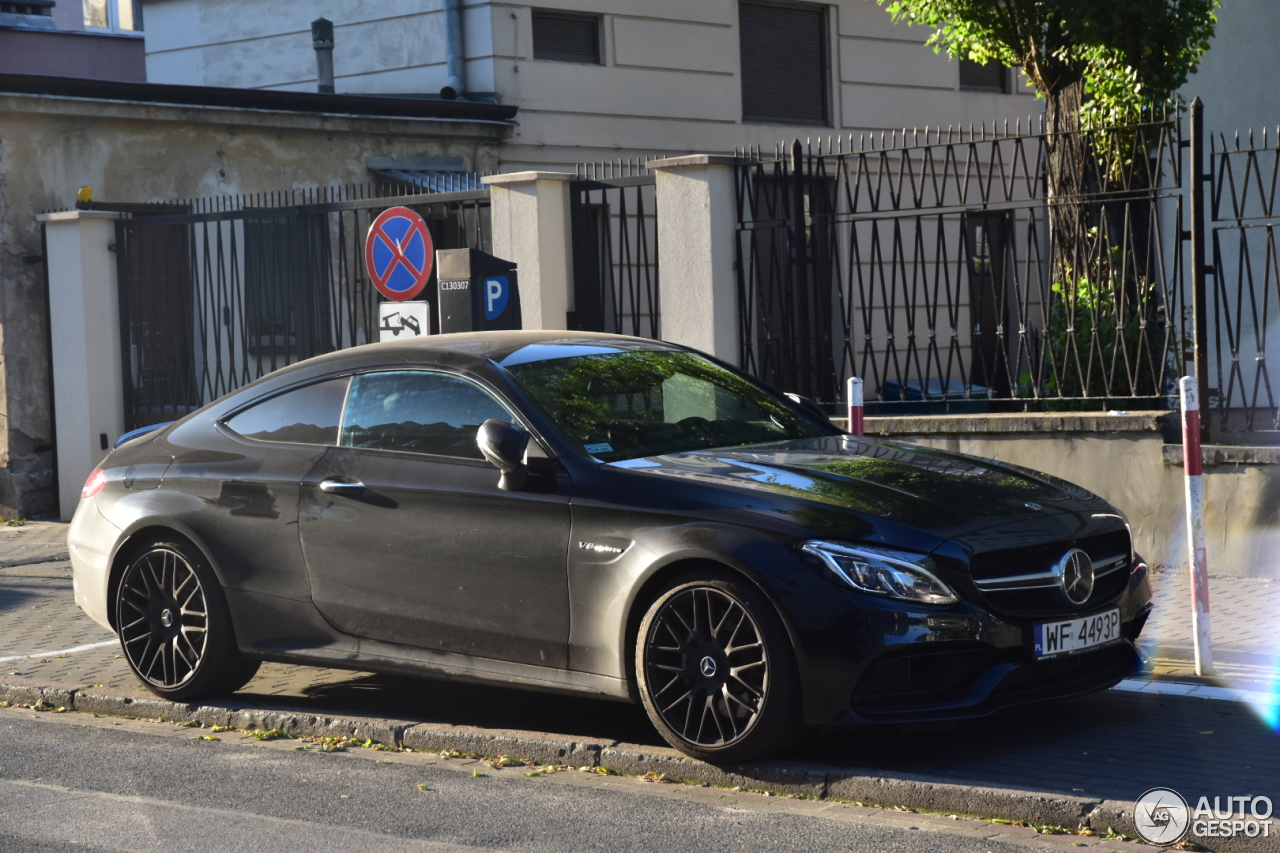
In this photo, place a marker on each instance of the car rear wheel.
(174, 625)
(716, 671)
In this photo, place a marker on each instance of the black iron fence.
(1244, 301)
(613, 215)
(938, 266)
(215, 293)
(949, 269)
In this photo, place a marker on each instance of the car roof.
(464, 349)
(500, 347)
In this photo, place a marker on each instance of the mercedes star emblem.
(1075, 572)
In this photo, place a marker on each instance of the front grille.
(1049, 601)
(1021, 561)
(919, 678)
(1070, 674)
(1041, 599)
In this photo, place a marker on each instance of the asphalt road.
(75, 782)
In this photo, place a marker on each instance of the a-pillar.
(84, 325)
(529, 212)
(697, 234)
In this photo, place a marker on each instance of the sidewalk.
(1246, 630)
(1077, 762)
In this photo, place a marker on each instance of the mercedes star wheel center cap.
(166, 618)
(1075, 572)
(708, 666)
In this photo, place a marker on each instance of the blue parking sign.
(496, 294)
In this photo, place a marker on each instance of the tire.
(174, 625)
(716, 671)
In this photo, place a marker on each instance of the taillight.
(94, 484)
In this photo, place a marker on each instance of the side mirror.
(808, 405)
(503, 445)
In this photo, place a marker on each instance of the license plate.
(1077, 635)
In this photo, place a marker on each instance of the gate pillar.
(84, 327)
(530, 217)
(697, 248)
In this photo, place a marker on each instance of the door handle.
(342, 487)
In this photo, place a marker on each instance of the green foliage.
(1129, 53)
(1100, 340)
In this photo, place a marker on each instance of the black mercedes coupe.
(602, 515)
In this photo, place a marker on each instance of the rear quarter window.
(306, 415)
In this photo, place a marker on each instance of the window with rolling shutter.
(784, 63)
(566, 37)
(979, 77)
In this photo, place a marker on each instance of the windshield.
(625, 405)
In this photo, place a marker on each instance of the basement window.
(784, 63)
(566, 37)
(992, 76)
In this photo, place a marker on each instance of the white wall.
(1236, 78)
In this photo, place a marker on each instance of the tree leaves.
(1129, 53)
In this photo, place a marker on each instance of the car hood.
(946, 494)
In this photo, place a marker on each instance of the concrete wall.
(1124, 459)
(669, 82)
(131, 152)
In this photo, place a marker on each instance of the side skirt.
(392, 659)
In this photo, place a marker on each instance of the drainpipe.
(322, 41)
(457, 83)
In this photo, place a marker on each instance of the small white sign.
(400, 321)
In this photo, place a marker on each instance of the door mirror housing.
(503, 445)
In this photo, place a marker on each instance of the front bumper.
(870, 660)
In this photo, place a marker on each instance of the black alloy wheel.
(174, 626)
(716, 672)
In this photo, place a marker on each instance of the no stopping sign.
(398, 253)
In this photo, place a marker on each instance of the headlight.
(880, 571)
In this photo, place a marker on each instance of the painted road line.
(61, 651)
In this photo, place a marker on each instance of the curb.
(809, 780)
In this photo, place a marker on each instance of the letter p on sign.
(497, 290)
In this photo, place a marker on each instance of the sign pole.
(1192, 460)
(853, 391)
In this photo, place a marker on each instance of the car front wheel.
(174, 626)
(716, 671)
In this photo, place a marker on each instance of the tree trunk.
(1066, 152)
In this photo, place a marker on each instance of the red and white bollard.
(1192, 460)
(853, 391)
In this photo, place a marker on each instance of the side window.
(307, 415)
(418, 411)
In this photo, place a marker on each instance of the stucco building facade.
(603, 79)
